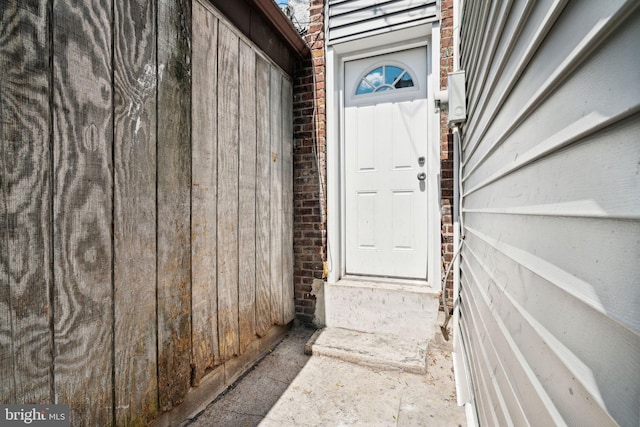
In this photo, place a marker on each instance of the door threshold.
(383, 279)
(391, 284)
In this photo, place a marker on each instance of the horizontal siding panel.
(371, 11)
(497, 389)
(363, 28)
(590, 256)
(568, 182)
(480, 99)
(482, 397)
(577, 256)
(382, 6)
(482, 25)
(515, 381)
(580, 87)
(354, 19)
(528, 34)
(497, 31)
(487, 394)
(571, 387)
(551, 210)
(498, 13)
(564, 305)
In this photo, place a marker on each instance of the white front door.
(385, 148)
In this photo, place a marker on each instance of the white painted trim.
(336, 55)
(472, 414)
(341, 151)
(457, 23)
(335, 248)
(433, 163)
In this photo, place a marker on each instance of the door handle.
(422, 176)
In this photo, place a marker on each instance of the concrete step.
(376, 350)
(379, 307)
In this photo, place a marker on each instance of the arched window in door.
(383, 78)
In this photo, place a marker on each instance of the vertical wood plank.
(227, 192)
(287, 202)
(173, 192)
(134, 91)
(275, 111)
(25, 203)
(263, 186)
(247, 199)
(204, 192)
(82, 209)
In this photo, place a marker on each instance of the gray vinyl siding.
(352, 19)
(550, 265)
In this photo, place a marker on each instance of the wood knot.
(91, 137)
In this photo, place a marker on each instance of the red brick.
(308, 223)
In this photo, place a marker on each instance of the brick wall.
(446, 144)
(309, 234)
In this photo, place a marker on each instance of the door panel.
(366, 220)
(385, 135)
(402, 220)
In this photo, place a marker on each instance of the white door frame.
(336, 56)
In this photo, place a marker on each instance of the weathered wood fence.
(146, 202)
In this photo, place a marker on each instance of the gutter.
(283, 26)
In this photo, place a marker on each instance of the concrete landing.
(290, 389)
(331, 392)
(382, 351)
(400, 309)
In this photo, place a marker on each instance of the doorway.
(385, 163)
